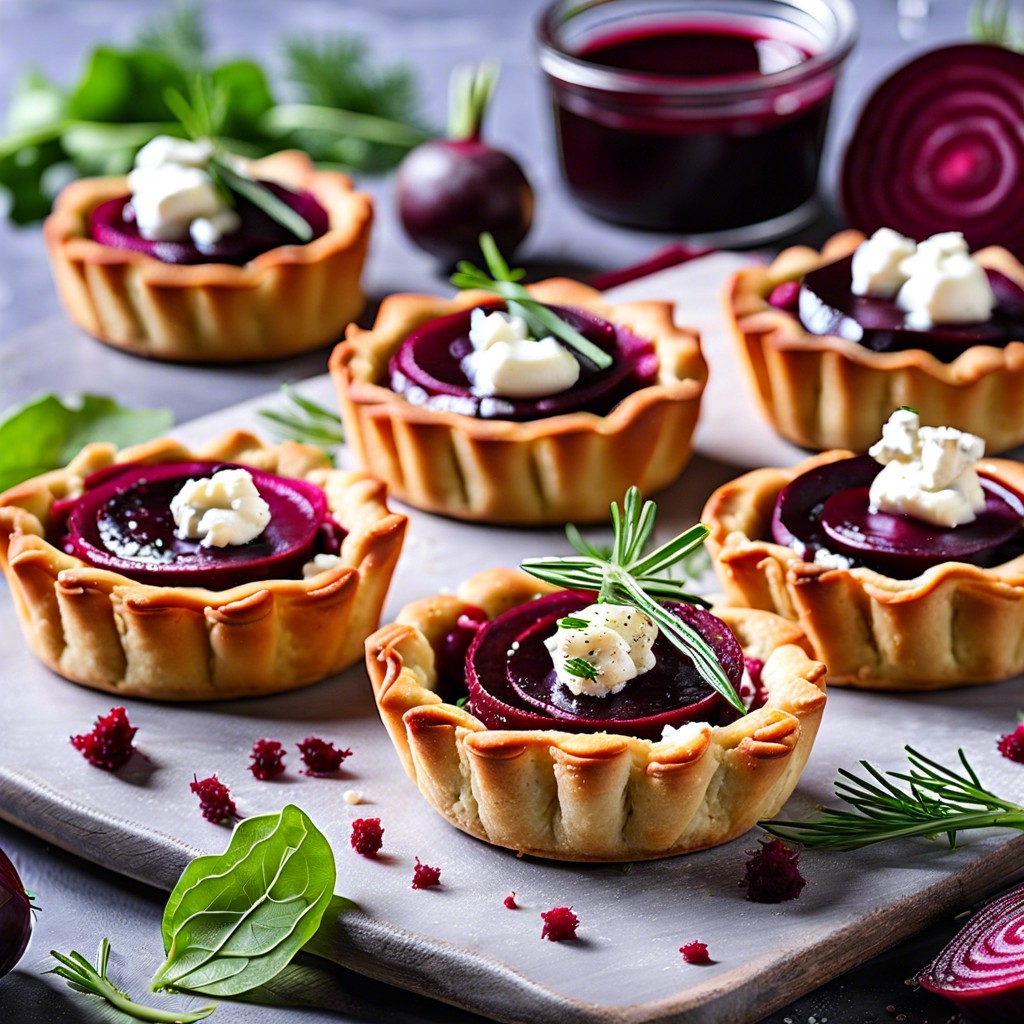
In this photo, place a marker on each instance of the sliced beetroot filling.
(512, 682)
(113, 223)
(828, 508)
(427, 370)
(827, 306)
(123, 523)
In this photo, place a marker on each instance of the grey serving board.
(458, 943)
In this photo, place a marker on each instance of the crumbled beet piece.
(321, 757)
(1012, 744)
(267, 759)
(510, 901)
(424, 876)
(215, 801)
(559, 923)
(773, 874)
(367, 836)
(695, 953)
(785, 296)
(109, 745)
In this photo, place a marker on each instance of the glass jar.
(700, 117)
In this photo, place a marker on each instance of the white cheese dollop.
(616, 641)
(928, 472)
(945, 284)
(173, 195)
(320, 563)
(507, 363)
(220, 510)
(877, 264)
(936, 281)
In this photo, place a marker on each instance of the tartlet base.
(553, 470)
(954, 625)
(288, 300)
(105, 631)
(823, 392)
(592, 797)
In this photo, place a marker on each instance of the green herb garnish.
(47, 432)
(82, 976)
(571, 622)
(303, 420)
(235, 920)
(940, 801)
(540, 319)
(342, 110)
(628, 576)
(581, 667)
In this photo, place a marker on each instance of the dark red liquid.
(653, 161)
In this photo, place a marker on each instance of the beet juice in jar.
(697, 117)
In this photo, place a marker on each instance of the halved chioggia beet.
(982, 968)
(939, 146)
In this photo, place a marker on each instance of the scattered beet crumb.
(1012, 744)
(772, 873)
(785, 295)
(267, 759)
(214, 799)
(321, 757)
(424, 876)
(695, 953)
(559, 923)
(109, 745)
(367, 836)
(510, 901)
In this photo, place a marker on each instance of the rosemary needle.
(939, 801)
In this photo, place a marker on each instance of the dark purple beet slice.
(827, 507)
(827, 306)
(112, 223)
(123, 523)
(938, 147)
(519, 690)
(427, 370)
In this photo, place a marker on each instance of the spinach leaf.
(45, 433)
(235, 920)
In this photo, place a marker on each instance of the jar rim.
(573, 69)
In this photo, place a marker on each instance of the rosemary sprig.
(201, 116)
(82, 976)
(940, 801)
(628, 576)
(581, 667)
(540, 319)
(304, 420)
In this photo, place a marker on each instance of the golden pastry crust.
(601, 796)
(105, 631)
(285, 301)
(552, 470)
(955, 624)
(824, 392)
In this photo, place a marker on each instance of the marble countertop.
(39, 353)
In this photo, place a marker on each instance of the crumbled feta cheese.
(220, 510)
(320, 563)
(616, 642)
(686, 734)
(831, 560)
(945, 284)
(928, 472)
(877, 264)
(172, 189)
(352, 796)
(506, 362)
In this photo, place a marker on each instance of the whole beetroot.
(450, 190)
(15, 916)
